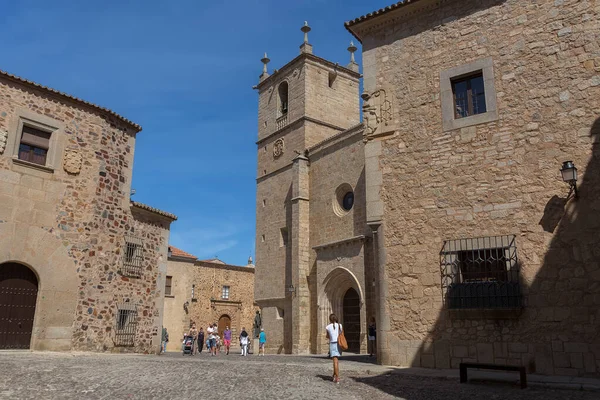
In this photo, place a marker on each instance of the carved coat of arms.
(278, 148)
(377, 112)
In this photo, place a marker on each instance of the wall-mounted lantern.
(569, 175)
(185, 306)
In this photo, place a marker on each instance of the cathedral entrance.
(341, 294)
(18, 295)
(224, 322)
(351, 320)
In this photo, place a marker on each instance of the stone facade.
(67, 220)
(437, 180)
(207, 306)
(429, 185)
(303, 237)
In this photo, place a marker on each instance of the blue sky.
(184, 70)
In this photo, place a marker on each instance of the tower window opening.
(283, 99)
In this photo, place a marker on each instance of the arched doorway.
(224, 321)
(341, 293)
(18, 295)
(351, 319)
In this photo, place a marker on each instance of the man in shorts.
(212, 340)
(227, 339)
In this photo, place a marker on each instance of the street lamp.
(291, 289)
(569, 175)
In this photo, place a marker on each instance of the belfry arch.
(336, 287)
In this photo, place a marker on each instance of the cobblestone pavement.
(25, 375)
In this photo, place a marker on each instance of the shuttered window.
(34, 145)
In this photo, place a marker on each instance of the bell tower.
(308, 100)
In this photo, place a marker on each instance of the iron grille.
(480, 273)
(126, 325)
(133, 256)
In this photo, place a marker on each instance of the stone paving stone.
(26, 375)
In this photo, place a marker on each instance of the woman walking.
(333, 331)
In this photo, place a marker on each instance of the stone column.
(300, 257)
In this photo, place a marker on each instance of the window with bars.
(34, 145)
(225, 293)
(126, 325)
(469, 95)
(133, 256)
(168, 284)
(481, 273)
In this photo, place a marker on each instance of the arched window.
(283, 99)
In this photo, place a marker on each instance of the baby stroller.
(188, 345)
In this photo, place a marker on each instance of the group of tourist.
(214, 342)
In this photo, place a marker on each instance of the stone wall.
(67, 222)
(496, 178)
(208, 306)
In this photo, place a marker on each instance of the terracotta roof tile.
(72, 98)
(375, 14)
(154, 210)
(175, 252)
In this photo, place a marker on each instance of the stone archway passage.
(18, 296)
(224, 321)
(351, 322)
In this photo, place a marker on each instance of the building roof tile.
(154, 210)
(376, 13)
(175, 252)
(71, 98)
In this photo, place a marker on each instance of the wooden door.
(351, 320)
(18, 295)
(224, 322)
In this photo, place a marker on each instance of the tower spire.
(353, 64)
(305, 47)
(265, 60)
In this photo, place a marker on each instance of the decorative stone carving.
(3, 139)
(72, 162)
(278, 148)
(296, 72)
(377, 113)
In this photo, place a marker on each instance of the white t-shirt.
(334, 330)
(210, 332)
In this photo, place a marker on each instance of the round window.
(348, 201)
(343, 199)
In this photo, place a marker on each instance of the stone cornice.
(306, 57)
(340, 242)
(295, 123)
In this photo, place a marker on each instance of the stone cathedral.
(459, 209)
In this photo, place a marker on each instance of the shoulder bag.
(342, 343)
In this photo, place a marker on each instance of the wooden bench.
(464, 366)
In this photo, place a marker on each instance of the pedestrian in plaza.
(372, 333)
(164, 340)
(262, 341)
(333, 330)
(211, 339)
(244, 339)
(200, 340)
(193, 333)
(227, 339)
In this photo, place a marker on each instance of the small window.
(225, 293)
(480, 273)
(34, 145)
(283, 99)
(284, 237)
(133, 257)
(126, 325)
(168, 285)
(348, 201)
(332, 76)
(262, 238)
(469, 95)
(280, 313)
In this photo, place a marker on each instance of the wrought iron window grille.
(133, 257)
(480, 273)
(126, 325)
